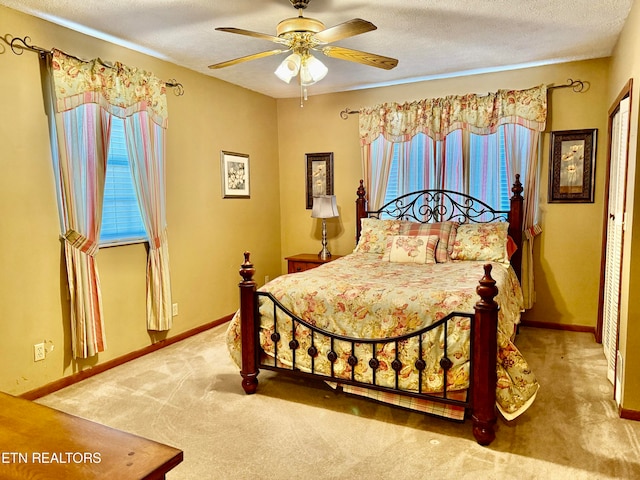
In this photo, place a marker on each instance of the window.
(440, 165)
(491, 163)
(121, 219)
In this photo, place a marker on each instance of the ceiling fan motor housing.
(299, 24)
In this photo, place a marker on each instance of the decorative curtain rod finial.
(578, 86)
(344, 114)
(19, 45)
(178, 89)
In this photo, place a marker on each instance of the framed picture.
(572, 166)
(319, 175)
(235, 175)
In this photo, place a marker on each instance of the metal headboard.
(443, 205)
(428, 206)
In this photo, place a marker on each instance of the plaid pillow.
(446, 232)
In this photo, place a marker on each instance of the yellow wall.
(567, 266)
(207, 234)
(625, 65)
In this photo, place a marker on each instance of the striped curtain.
(81, 144)
(146, 147)
(379, 156)
(83, 96)
(523, 156)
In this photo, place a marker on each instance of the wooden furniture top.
(40, 442)
(311, 258)
(306, 261)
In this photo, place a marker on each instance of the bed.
(423, 314)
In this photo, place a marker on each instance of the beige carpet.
(188, 395)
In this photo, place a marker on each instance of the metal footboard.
(305, 361)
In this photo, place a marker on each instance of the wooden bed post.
(249, 370)
(485, 352)
(515, 224)
(361, 208)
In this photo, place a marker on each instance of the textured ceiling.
(430, 38)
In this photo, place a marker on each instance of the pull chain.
(302, 95)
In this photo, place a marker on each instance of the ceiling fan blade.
(344, 30)
(370, 59)
(249, 33)
(255, 56)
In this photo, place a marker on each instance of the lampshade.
(324, 206)
(289, 67)
(311, 69)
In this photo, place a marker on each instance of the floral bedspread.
(361, 296)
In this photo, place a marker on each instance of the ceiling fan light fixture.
(312, 71)
(289, 67)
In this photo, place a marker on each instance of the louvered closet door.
(615, 231)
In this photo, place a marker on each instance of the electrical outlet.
(174, 309)
(267, 278)
(38, 352)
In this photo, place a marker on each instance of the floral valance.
(437, 117)
(120, 89)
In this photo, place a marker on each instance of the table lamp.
(324, 206)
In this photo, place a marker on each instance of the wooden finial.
(517, 187)
(246, 269)
(487, 289)
(361, 191)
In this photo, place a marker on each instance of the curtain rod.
(19, 45)
(578, 86)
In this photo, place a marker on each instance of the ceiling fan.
(302, 35)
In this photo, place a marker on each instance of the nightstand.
(306, 261)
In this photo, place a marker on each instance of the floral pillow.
(411, 249)
(482, 241)
(374, 233)
(446, 232)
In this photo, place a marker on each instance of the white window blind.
(121, 219)
(488, 180)
(487, 172)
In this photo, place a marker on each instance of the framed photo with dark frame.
(234, 171)
(319, 175)
(572, 165)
